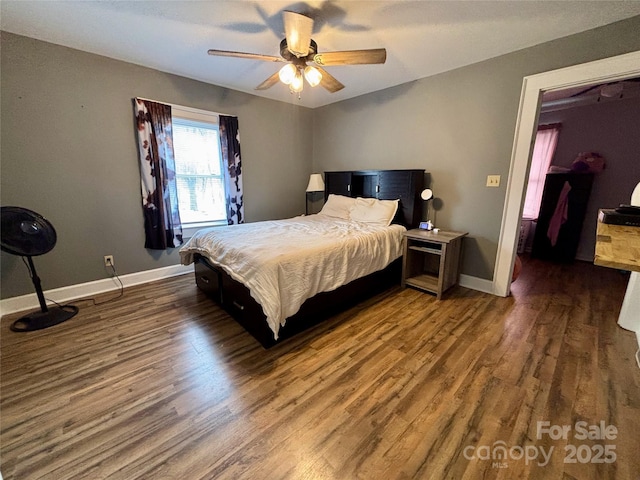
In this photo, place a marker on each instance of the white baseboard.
(475, 283)
(73, 292)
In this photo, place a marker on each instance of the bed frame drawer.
(208, 279)
(238, 301)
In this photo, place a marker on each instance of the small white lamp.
(426, 195)
(316, 184)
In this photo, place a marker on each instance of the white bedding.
(285, 262)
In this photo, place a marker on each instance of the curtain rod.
(184, 106)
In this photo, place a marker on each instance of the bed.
(277, 278)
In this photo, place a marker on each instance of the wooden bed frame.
(236, 299)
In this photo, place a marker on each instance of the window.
(543, 151)
(199, 174)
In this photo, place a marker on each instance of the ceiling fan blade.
(251, 56)
(269, 82)
(351, 57)
(329, 82)
(297, 31)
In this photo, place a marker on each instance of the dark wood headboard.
(404, 185)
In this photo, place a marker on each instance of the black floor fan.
(27, 234)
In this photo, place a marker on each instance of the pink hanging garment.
(560, 214)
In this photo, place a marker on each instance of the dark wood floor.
(161, 384)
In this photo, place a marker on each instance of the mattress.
(285, 262)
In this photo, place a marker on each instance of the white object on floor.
(629, 318)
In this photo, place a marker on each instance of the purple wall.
(612, 129)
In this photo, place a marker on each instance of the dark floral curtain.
(230, 142)
(162, 225)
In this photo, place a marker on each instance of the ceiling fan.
(298, 48)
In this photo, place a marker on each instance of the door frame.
(533, 86)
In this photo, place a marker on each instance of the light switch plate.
(493, 180)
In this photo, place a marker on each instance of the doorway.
(600, 71)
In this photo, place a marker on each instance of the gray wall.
(613, 130)
(69, 153)
(458, 126)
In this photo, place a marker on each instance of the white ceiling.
(422, 38)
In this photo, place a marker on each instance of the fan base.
(40, 320)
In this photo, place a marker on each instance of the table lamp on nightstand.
(316, 184)
(427, 195)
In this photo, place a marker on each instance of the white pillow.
(338, 206)
(371, 210)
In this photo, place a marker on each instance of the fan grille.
(25, 233)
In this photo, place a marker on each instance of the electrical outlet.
(108, 261)
(493, 180)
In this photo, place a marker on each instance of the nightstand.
(431, 261)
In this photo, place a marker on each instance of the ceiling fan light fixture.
(297, 84)
(287, 73)
(313, 75)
